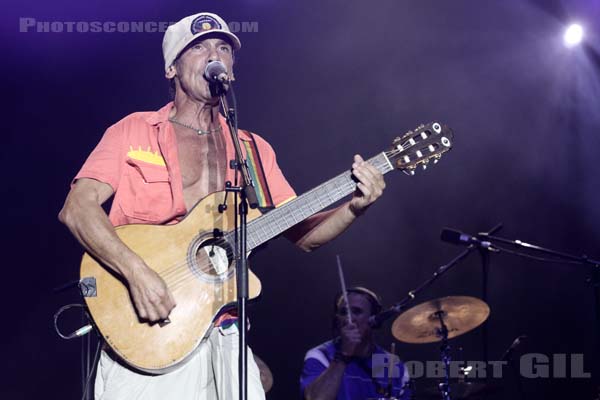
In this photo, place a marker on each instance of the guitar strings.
(176, 271)
(179, 272)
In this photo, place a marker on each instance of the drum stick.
(344, 292)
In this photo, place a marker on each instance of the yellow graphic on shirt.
(147, 156)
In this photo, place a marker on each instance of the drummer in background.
(352, 366)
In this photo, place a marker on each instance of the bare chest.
(201, 162)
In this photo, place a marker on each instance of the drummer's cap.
(182, 33)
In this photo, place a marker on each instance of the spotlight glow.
(573, 35)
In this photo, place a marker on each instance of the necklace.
(198, 131)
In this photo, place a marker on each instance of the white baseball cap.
(182, 33)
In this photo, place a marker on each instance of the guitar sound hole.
(211, 259)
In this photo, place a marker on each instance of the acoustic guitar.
(195, 257)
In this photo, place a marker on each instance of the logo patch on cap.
(204, 23)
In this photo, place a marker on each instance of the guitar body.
(198, 269)
(195, 259)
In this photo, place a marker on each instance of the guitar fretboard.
(266, 227)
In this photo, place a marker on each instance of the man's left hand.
(369, 188)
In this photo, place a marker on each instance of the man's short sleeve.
(105, 163)
(311, 371)
(315, 363)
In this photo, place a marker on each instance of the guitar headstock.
(422, 146)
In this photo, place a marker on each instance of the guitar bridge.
(87, 286)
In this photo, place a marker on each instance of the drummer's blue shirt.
(363, 378)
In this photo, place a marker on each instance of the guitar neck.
(277, 221)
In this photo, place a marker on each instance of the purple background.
(322, 80)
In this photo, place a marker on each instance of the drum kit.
(439, 320)
(433, 321)
(266, 377)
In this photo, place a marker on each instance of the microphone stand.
(485, 268)
(247, 197)
(508, 357)
(594, 280)
(412, 295)
(403, 304)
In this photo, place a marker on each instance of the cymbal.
(421, 323)
(266, 377)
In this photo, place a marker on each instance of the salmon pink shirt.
(137, 157)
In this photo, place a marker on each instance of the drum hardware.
(440, 320)
(266, 377)
(460, 390)
(436, 331)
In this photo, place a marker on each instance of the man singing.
(156, 166)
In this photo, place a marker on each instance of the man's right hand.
(351, 339)
(151, 297)
(88, 222)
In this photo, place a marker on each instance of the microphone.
(512, 347)
(376, 320)
(457, 237)
(216, 72)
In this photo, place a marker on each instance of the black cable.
(79, 332)
(83, 355)
(88, 370)
(85, 344)
(95, 363)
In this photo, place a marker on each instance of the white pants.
(211, 373)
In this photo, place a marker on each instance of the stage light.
(573, 35)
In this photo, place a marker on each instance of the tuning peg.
(424, 166)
